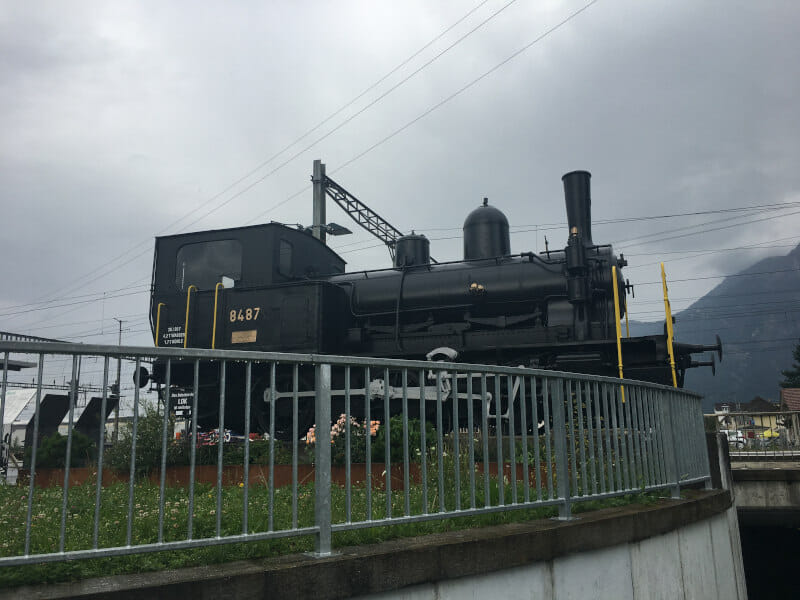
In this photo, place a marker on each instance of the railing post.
(666, 406)
(562, 457)
(705, 462)
(322, 460)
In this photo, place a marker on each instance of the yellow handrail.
(619, 327)
(158, 321)
(186, 326)
(670, 332)
(214, 328)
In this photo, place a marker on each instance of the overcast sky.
(121, 121)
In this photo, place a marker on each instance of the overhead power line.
(466, 87)
(659, 282)
(30, 310)
(304, 135)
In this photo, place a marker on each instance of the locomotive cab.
(223, 288)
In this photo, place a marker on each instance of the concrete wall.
(768, 485)
(687, 548)
(700, 560)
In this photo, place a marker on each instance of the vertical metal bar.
(690, 422)
(273, 399)
(471, 430)
(523, 429)
(406, 482)
(658, 425)
(248, 383)
(644, 446)
(193, 450)
(35, 443)
(456, 434)
(512, 440)
(348, 485)
(612, 441)
(498, 433)
(688, 446)
(439, 439)
(701, 438)
(598, 426)
(689, 462)
(101, 446)
(666, 407)
(620, 443)
(590, 440)
(295, 437)
(572, 450)
(676, 410)
(221, 444)
(659, 428)
(487, 499)
(163, 474)
(423, 442)
(649, 433)
(387, 436)
(548, 431)
(322, 462)
(536, 438)
(633, 441)
(73, 394)
(132, 472)
(636, 432)
(562, 465)
(3, 407)
(368, 442)
(644, 436)
(614, 476)
(581, 437)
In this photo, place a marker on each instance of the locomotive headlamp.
(336, 229)
(330, 229)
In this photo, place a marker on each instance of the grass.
(79, 522)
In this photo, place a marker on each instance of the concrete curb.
(396, 564)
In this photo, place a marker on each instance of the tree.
(792, 376)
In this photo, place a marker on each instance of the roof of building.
(790, 398)
(18, 365)
(16, 401)
(757, 404)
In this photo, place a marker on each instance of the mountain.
(756, 312)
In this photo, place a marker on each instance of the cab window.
(285, 259)
(204, 264)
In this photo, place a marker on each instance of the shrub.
(52, 451)
(148, 444)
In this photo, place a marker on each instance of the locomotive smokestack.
(579, 204)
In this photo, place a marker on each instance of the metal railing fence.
(345, 443)
(759, 435)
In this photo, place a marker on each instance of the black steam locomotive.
(276, 288)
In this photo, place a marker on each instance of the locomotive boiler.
(277, 288)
